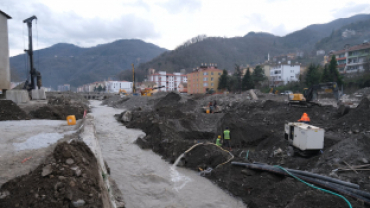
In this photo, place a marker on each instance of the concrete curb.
(88, 135)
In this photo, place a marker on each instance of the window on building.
(205, 84)
(205, 79)
(211, 73)
(205, 73)
(212, 84)
(219, 73)
(211, 78)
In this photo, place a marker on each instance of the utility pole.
(133, 79)
(30, 51)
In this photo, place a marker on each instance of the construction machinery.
(34, 74)
(304, 139)
(149, 91)
(310, 95)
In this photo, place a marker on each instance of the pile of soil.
(173, 125)
(11, 111)
(58, 112)
(357, 120)
(70, 176)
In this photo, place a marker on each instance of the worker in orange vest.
(305, 118)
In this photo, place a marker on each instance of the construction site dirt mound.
(171, 99)
(357, 120)
(58, 112)
(68, 178)
(11, 111)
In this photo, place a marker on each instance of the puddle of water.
(40, 140)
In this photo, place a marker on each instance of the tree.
(238, 78)
(313, 75)
(325, 77)
(247, 81)
(223, 81)
(333, 71)
(258, 75)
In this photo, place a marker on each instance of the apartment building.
(353, 59)
(283, 73)
(116, 86)
(169, 81)
(202, 79)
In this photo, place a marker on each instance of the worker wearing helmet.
(218, 141)
(227, 137)
(305, 119)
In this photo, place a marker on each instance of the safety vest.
(227, 134)
(218, 142)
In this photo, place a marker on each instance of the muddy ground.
(11, 111)
(173, 123)
(69, 177)
(57, 107)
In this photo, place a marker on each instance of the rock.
(78, 203)
(4, 194)
(70, 161)
(78, 172)
(364, 160)
(47, 170)
(58, 185)
(61, 177)
(126, 116)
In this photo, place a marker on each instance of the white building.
(116, 86)
(169, 81)
(4, 52)
(284, 73)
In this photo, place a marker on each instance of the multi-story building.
(4, 52)
(64, 88)
(283, 73)
(169, 81)
(353, 59)
(202, 79)
(116, 86)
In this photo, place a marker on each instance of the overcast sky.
(166, 23)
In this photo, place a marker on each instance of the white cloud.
(166, 23)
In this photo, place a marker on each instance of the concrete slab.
(18, 96)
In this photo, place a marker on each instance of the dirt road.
(144, 178)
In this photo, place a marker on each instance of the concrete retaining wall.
(17, 96)
(88, 135)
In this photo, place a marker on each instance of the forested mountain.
(352, 34)
(250, 49)
(66, 63)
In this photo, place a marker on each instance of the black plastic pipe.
(313, 175)
(337, 188)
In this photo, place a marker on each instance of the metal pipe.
(30, 50)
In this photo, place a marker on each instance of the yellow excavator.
(310, 95)
(149, 91)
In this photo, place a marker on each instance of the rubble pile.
(68, 178)
(174, 123)
(10, 111)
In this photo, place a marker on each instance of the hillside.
(336, 40)
(66, 63)
(250, 49)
